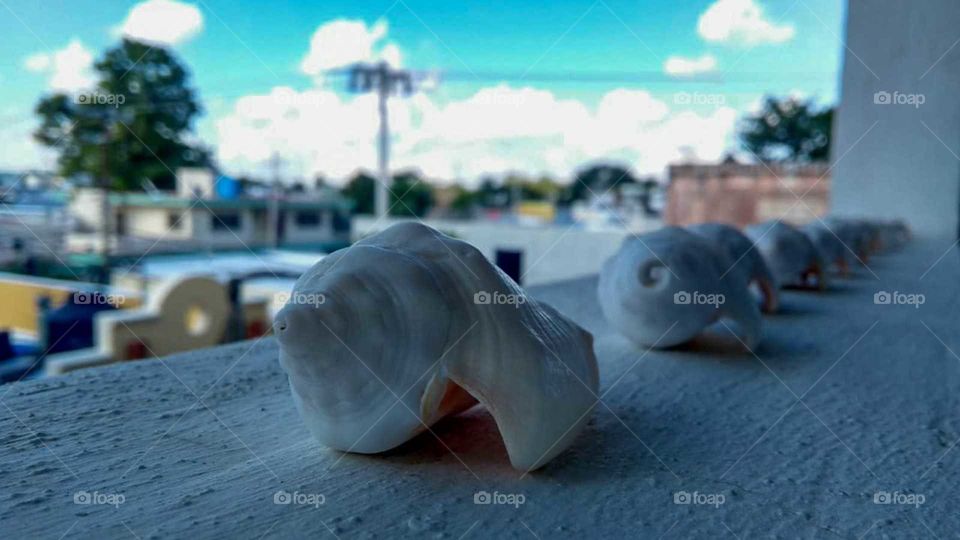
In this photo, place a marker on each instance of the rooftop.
(843, 400)
(170, 201)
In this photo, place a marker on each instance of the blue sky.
(245, 49)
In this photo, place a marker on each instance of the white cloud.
(342, 42)
(162, 22)
(37, 63)
(496, 130)
(741, 22)
(678, 65)
(70, 68)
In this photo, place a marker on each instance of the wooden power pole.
(384, 80)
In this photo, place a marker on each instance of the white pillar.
(896, 145)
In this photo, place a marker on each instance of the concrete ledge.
(199, 445)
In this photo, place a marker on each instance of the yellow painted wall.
(537, 209)
(19, 296)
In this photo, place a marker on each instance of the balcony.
(842, 424)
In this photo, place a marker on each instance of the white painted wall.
(203, 231)
(150, 222)
(908, 164)
(86, 206)
(550, 253)
(295, 234)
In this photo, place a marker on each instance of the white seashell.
(656, 290)
(415, 326)
(856, 234)
(833, 250)
(740, 256)
(792, 257)
(894, 234)
(869, 237)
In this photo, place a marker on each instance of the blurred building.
(208, 212)
(741, 194)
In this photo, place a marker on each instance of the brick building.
(741, 194)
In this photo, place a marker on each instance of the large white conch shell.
(833, 249)
(665, 287)
(741, 256)
(792, 257)
(413, 325)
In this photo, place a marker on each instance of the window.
(174, 221)
(308, 218)
(225, 221)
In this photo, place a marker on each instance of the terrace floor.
(843, 400)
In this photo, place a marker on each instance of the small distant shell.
(793, 258)
(832, 249)
(857, 235)
(894, 234)
(868, 237)
(384, 338)
(742, 257)
(665, 287)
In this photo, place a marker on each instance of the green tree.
(788, 129)
(134, 126)
(463, 202)
(359, 190)
(410, 195)
(596, 180)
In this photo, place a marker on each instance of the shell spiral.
(664, 287)
(382, 339)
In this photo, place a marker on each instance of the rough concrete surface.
(844, 399)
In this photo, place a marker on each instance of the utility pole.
(106, 211)
(273, 211)
(385, 81)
